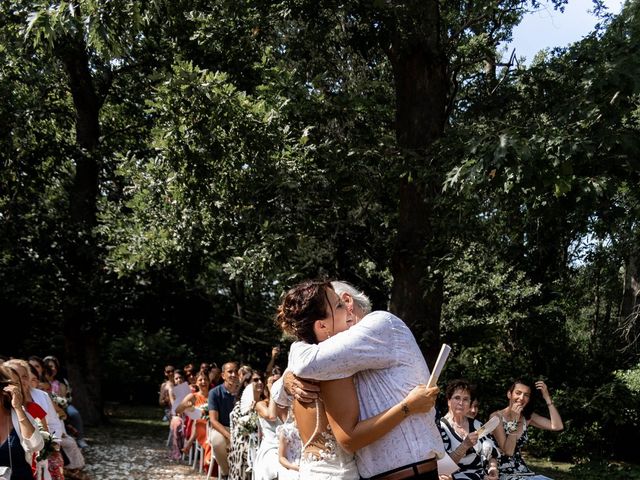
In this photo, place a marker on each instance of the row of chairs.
(195, 457)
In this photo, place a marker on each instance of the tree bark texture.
(630, 306)
(80, 323)
(422, 89)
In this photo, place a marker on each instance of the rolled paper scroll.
(437, 369)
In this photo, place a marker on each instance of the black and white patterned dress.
(472, 465)
(514, 467)
(244, 435)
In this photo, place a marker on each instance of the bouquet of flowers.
(248, 424)
(59, 400)
(50, 446)
(204, 408)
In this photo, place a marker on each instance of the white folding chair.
(198, 454)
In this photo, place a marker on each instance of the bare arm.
(32, 439)
(506, 442)
(305, 391)
(365, 346)
(187, 402)
(341, 403)
(275, 351)
(553, 423)
(267, 410)
(469, 441)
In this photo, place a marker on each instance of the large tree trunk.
(630, 306)
(80, 325)
(422, 88)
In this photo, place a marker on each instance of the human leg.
(219, 446)
(75, 419)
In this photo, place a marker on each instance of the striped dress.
(472, 465)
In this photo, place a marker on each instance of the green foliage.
(598, 469)
(134, 362)
(247, 145)
(630, 378)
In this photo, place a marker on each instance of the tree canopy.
(170, 167)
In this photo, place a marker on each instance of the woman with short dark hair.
(476, 457)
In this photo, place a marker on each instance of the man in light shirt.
(382, 354)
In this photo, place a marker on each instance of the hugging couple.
(356, 383)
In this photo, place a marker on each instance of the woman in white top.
(270, 416)
(19, 438)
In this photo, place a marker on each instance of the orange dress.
(201, 429)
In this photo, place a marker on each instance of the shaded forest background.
(169, 167)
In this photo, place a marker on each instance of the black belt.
(408, 471)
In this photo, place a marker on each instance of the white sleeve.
(30, 445)
(279, 394)
(56, 427)
(369, 345)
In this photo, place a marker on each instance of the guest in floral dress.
(512, 435)
(289, 450)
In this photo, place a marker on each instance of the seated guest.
(511, 435)
(176, 424)
(37, 363)
(19, 438)
(289, 450)
(189, 373)
(244, 427)
(61, 387)
(165, 392)
(221, 401)
(199, 401)
(270, 416)
(214, 375)
(476, 458)
(475, 407)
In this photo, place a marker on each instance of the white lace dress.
(331, 462)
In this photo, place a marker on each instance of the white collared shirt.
(55, 425)
(385, 360)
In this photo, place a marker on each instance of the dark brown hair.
(301, 306)
(527, 411)
(459, 384)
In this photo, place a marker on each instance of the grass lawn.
(584, 471)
